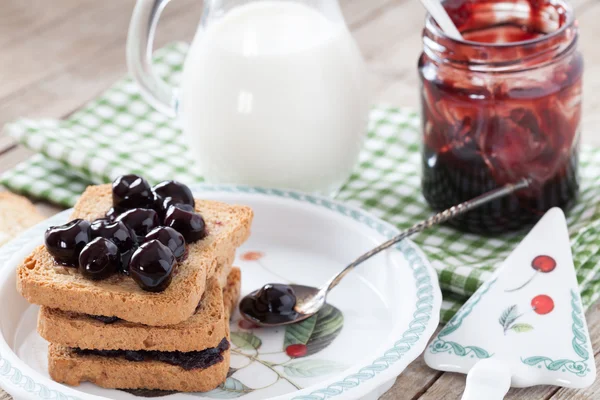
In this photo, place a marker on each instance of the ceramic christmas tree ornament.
(525, 326)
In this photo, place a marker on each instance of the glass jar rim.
(434, 28)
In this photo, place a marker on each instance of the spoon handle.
(436, 219)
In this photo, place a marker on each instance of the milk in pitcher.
(274, 94)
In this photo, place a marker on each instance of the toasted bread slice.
(16, 214)
(41, 281)
(66, 366)
(231, 292)
(203, 330)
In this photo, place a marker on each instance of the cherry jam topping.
(131, 191)
(110, 244)
(99, 259)
(151, 266)
(65, 242)
(272, 304)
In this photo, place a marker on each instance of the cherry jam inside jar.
(500, 105)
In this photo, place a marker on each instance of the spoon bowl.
(309, 301)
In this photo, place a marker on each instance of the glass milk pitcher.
(273, 92)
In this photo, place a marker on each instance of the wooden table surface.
(58, 54)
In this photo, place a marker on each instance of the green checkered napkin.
(120, 133)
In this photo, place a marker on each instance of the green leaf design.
(310, 368)
(521, 328)
(316, 332)
(299, 333)
(580, 350)
(508, 316)
(458, 349)
(231, 389)
(556, 365)
(479, 352)
(448, 329)
(535, 360)
(246, 340)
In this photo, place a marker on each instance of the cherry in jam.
(99, 259)
(65, 242)
(176, 191)
(140, 221)
(170, 238)
(186, 221)
(151, 266)
(272, 304)
(131, 191)
(118, 233)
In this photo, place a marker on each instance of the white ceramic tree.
(523, 327)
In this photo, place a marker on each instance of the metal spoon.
(439, 14)
(309, 300)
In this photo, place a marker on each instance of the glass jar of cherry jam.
(502, 104)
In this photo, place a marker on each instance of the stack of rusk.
(114, 334)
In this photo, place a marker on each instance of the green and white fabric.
(120, 133)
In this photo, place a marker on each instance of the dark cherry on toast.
(170, 238)
(140, 220)
(118, 233)
(65, 242)
(131, 191)
(144, 234)
(151, 266)
(99, 259)
(186, 221)
(168, 193)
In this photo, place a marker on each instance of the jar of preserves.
(499, 105)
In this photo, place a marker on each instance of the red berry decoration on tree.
(543, 264)
(542, 304)
(296, 350)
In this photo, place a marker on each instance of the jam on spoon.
(273, 304)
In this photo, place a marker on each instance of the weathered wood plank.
(62, 44)
(14, 157)
(95, 70)
(359, 12)
(22, 20)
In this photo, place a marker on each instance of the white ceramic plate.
(382, 317)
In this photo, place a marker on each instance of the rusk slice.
(41, 281)
(65, 366)
(205, 329)
(16, 214)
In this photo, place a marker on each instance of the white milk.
(274, 94)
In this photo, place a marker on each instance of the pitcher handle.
(140, 40)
